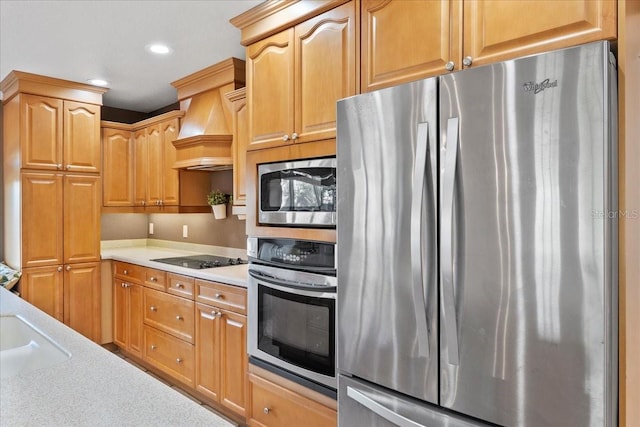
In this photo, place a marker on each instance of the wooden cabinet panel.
(270, 85)
(170, 314)
(490, 34)
(117, 174)
(233, 362)
(182, 286)
(81, 137)
(82, 298)
(408, 40)
(170, 176)
(155, 279)
(42, 219)
(140, 168)
(325, 70)
(81, 218)
(155, 165)
(129, 272)
(240, 113)
(170, 354)
(43, 287)
(207, 379)
(224, 296)
(41, 132)
(127, 316)
(136, 310)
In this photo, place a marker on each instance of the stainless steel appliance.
(299, 193)
(292, 309)
(477, 239)
(200, 262)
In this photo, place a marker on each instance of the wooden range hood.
(205, 138)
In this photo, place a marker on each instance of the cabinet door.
(270, 90)
(117, 174)
(140, 168)
(170, 178)
(233, 362)
(208, 351)
(42, 287)
(240, 141)
(41, 132)
(81, 218)
(81, 137)
(500, 30)
(135, 324)
(82, 298)
(42, 219)
(120, 313)
(155, 165)
(325, 71)
(408, 40)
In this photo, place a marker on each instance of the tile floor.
(178, 389)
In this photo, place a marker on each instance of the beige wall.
(123, 226)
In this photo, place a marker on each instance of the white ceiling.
(80, 40)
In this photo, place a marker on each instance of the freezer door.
(527, 250)
(387, 264)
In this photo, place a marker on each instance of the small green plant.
(217, 197)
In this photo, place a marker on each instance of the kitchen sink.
(24, 349)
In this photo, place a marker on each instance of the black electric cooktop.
(201, 261)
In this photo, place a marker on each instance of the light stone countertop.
(93, 388)
(142, 252)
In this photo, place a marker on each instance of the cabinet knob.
(294, 136)
(178, 361)
(68, 167)
(179, 285)
(218, 296)
(125, 272)
(153, 279)
(153, 308)
(60, 268)
(59, 166)
(153, 347)
(285, 137)
(219, 314)
(449, 66)
(467, 61)
(266, 411)
(68, 268)
(123, 285)
(178, 317)
(143, 203)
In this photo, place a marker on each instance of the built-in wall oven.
(292, 309)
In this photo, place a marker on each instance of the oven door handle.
(290, 284)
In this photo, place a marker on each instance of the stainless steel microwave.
(300, 193)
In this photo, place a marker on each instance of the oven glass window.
(299, 190)
(297, 329)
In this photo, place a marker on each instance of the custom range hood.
(205, 138)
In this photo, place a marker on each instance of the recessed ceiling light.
(160, 49)
(98, 82)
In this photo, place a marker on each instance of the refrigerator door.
(527, 249)
(387, 264)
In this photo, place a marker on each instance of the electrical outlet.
(185, 231)
(150, 228)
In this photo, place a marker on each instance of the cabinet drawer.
(129, 272)
(169, 313)
(274, 406)
(228, 297)
(181, 286)
(155, 279)
(173, 356)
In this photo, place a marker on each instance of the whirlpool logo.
(539, 87)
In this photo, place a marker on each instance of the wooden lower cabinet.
(169, 354)
(169, 313)
(273, 405)
(127, 316)
(43, 288)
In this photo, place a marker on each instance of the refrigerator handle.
(448, 170)
(381, 410)
(417, 202)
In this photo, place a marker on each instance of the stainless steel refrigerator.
(477, 247)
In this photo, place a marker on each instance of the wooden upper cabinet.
(500, 30)
(140, 167)
(270, 90)
(407, 40)
(42, 219)
(41, 132)
(81, 137)
(81, 218)
(295, 77)
(170, 176)
(117, 174)
(240, 117)
(155, 165)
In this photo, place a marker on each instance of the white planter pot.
(219, 211)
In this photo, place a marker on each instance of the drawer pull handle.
(153, 308)
(179, 317)
(125, 272)
(68, 268)
(153, 347)
(178, 360)
(218, 296)
(216, 314)
(179, 285)
(60, 268)
(153, 279)
(266, 411)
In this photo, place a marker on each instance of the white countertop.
(142, 255)
(93, 388)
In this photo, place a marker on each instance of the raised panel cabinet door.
(42, 219)
(117, 167)
(408, 40)
(81, 218)
(240, 142)
(500, 30)
(140, 174)
(171, 177)
(82, 298)
(120, 313)
(155, 165)
(41, 132)
(233, 362)
(270, 91)
(81, 137)
(325, 70)
(208, 351)
(42, 287)
(135, 325)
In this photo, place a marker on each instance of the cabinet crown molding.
(20, 81)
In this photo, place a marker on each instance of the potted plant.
(218, 201)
